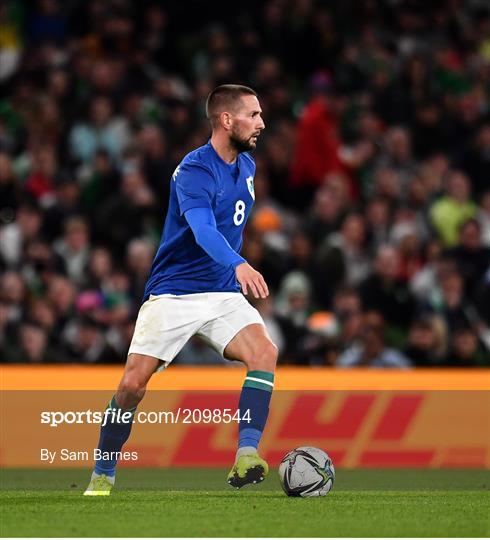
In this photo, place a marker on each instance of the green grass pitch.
(197, 502)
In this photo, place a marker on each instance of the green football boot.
(100, 486)
(249, 468)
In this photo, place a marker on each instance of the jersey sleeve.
(203, 225)
(195, 187)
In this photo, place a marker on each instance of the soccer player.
(196, 283)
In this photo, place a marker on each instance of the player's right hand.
(251, 280)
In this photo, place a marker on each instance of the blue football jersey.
(202, 180)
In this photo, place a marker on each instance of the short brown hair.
(224, 97)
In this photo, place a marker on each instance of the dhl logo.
(358, 429)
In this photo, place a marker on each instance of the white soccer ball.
(306, 472)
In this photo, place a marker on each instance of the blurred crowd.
(372, 215)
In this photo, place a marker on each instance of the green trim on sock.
(113, 405)
(256, 384)
(265, 375)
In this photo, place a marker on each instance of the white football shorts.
(166, 322)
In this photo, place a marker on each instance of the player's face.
(247, 124)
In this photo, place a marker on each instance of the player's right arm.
(195, 191)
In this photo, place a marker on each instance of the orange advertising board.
(361, 418)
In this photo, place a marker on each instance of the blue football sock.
(255, 397)
(113, 435)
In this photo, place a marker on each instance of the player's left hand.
(251, 280)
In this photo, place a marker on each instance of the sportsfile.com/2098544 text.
(179, 415)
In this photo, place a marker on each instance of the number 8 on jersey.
(239, 214)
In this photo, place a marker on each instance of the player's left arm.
(203, 224)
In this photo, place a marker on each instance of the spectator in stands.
(301, 254)
(453, 209)
(74, 248)
(452, 305)
(397, 157)
(42, 313)
(41, 180)
(466, 349)
(103, 131)
(387, 185)
(342, 260)
(292, 310)
(317, 140)
(425, 281)
(31, 346)
(156, 164)
(325, 216)
(471, 257)
(100, 182)
(404, 236)
(140, 255)
(129, 214)
(99, 269)
(88, 344)
(15, 235)
(426, 341)
(65, 205)
(384, 292)
(348, 315)
(61, 294)
(378, 222)
(371, 351)
(13, 294)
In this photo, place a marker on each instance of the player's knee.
(264, 357)
(130, 391)
(272, 355)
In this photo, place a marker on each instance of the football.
(306, 472)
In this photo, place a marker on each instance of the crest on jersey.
(250, 185)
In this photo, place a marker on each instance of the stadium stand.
(372, 216)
